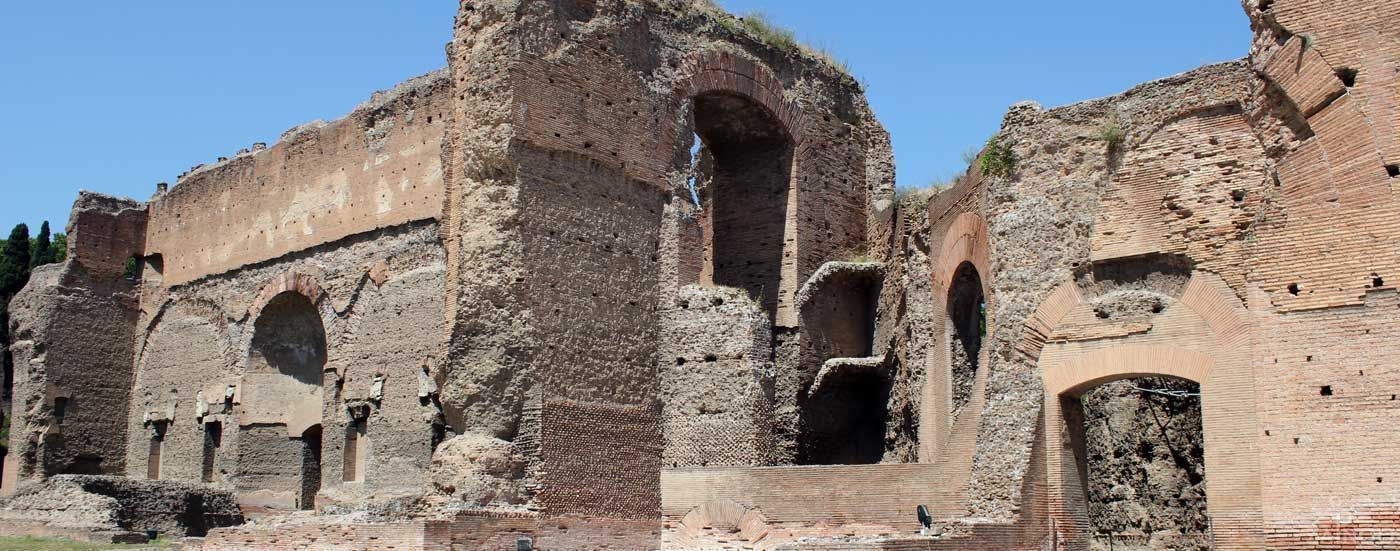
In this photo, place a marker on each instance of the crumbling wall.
(72, 334)
(374, 294)
(78, 505)
(378, 167)
(902, 326)
(1041, 219)
(556, 197)
(717, 392)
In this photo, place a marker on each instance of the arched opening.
(279, 445)
(1140, 451)
(744, 170)
(966, 327)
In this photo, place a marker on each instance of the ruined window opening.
(1393, 170)
(744, 174)
(154, 451)
(131, 271)
(1377, 281)
(1326, 390)
(1140, 448)
(152, 269)
(967, 326)
(1293, 289)
(213, 440)
(353, 468)
(693, 181)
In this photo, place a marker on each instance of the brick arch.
(727, 517)
(293, 282)
(723, 71)
(965, 241)
(1090, 370)
(1220, 364)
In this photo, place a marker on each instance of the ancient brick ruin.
(632, 275)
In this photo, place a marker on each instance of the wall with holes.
(379, 298)
(378, 167)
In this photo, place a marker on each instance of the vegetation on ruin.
(997, 159)
(922, 193)
(759, 26)
(1111, 132)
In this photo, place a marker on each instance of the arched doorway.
(1204, 336)
(279, 446)
(743, 170)
(1140, 450)
(965, 328)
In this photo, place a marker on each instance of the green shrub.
(1111, 132)
(997, 160)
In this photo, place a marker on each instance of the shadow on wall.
(746, 184)
(279, 449)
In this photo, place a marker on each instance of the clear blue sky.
(116, 96)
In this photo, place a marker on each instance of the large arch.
(280, 417)
(963, 250)
(752, 139)
(1204, 338)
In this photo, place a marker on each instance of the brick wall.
(380, 166)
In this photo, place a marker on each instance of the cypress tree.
(42, 253)
(14, 261)
(58, 250)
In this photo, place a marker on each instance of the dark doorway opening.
(310, 468)
(844, 423)
(967, 325)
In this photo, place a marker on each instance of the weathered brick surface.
(509, 252)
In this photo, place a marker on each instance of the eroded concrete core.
(628, 274)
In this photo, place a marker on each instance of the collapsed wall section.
(1041, 227)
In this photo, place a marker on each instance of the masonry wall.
(378, 296)
(1324, 389)
(378, 167)
(71, 331)
(562, 184)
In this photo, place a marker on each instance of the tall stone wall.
(378, 298)
(378, 167)
(72, 329)
(570, 145)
